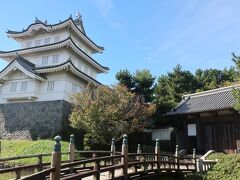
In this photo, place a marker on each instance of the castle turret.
(53, 63)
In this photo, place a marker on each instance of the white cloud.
(105, 7)
(211, 26)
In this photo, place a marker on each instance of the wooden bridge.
(107, 164)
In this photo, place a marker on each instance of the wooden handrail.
(27, 156)
(90, 161)
(39, 175)
(47, 154)
(93, 151)
(142, 154)
(12, 169)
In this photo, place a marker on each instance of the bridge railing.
(115, 163)
(40, 165)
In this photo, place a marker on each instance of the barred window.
(79, 65)
(13, 87)
(1, 87)
(86, 70)
(28, 44)
(56, 39)
(55, 59)
(38, 42)
(50, 85)
(45, 60)
(24, 86)
(74, 88)
(47, 41)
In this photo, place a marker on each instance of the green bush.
(227, 168)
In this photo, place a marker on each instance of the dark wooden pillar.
(185, 134)
(199, 134)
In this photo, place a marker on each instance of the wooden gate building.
(208, 121)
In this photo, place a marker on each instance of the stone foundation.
(33, 120)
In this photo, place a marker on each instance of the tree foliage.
(236, 93)
(144, 84)
(105, 113)
(141, 82)
(171, 87)
(125, 78)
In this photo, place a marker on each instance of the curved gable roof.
(23, 65)
(66, 65)
(16, 34)
(5, 54)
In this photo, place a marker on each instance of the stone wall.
(33, 120)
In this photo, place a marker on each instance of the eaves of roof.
(49, 25)
(57, 43)
(38, 69)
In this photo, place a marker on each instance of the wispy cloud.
(210, 28)
(106, 9)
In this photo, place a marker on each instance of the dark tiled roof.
(213, 100)
(26, 65)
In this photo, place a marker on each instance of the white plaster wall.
(63, 35)
(71, 81)
(18, 77)
(161, 134)
(82, 65)
(81, 44)
(64, 55)
(37, 58)
(63, 82)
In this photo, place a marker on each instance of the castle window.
(79, 65)
(45, 60)
(28, 44)
(50, 85)
(24, 86)
(13, 87)
(55, 58)
(56, 39)
(38, 42)
(0, 90)
(47, 41)
(91, 73)
(74, 88)
(85, 69)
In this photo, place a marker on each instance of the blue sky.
(141, 34)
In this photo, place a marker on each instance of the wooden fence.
(122, 164)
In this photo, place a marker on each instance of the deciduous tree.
(105, 113)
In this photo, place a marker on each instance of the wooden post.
(71, 149)
(139, 151)
(96, 167)
(113, 152)
(157, 151)
(177, 158)
(125, 156)
(56, 159)
(18, 174)
(0, 148)
(195, 159)
(113, 147)
(40, 165)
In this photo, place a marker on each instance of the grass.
(12, 148)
